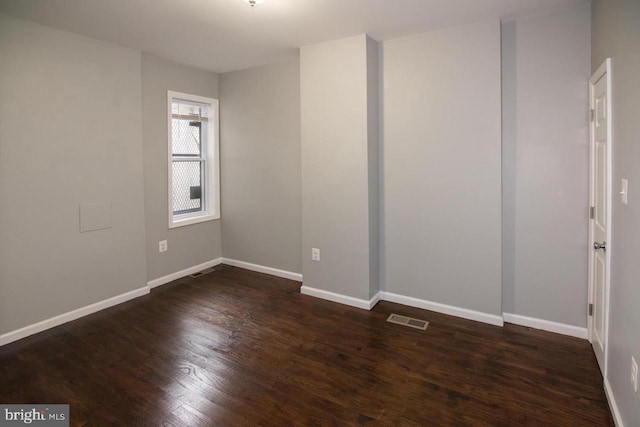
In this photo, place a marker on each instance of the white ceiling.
(225, 35)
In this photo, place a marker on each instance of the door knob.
(602, 246)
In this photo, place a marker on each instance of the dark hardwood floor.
(236, 347)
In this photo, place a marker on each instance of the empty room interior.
(332, 212)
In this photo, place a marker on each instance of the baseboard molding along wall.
(183, 273)
(451, 310)
(119, 299)
(546, 325)
(404, 300)
(339, 298)
(228, 261)
(58, 320)
(612, 404)
(262, 269)
(71, 315)
(464, 313)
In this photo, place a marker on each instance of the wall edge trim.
(183, 273)
(545, 325)
(617, 418)
(69, 316)
(340, 298)
(262, 269)
(451, 310)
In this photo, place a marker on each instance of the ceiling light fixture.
(254, 2)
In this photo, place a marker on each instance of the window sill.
(175, 223)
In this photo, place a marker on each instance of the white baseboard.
(451, 310)
(262, 269)
(546, 325)
(71, 315)
(612, 404)
(342, 299)
(401, 299)
(183, 273)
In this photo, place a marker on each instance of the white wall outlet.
(162, 246)
(634, 374)
(315, 254)
(624, 191)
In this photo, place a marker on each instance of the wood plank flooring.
(236, 348)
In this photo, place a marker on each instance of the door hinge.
(590, 309)
(592, 212)
(592, 114)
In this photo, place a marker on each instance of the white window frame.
(211, 179)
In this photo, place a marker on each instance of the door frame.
(605, 68)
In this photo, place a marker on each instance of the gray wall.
(546, 165)
(260, 151)
(442, 168)
(192, 244)
(616, 34)
(336, 213)
(70, 133)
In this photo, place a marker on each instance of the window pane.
(193, 163)
(187, 187)
(187, 108)
(185, 137)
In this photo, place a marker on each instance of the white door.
(600, 222)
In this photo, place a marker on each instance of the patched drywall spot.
(95, 216)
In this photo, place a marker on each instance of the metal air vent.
(408, 321)
(202, 273)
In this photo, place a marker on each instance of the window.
(194, 185)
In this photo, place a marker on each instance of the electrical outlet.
(162, 246)
(634, 374)
(315, 254)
